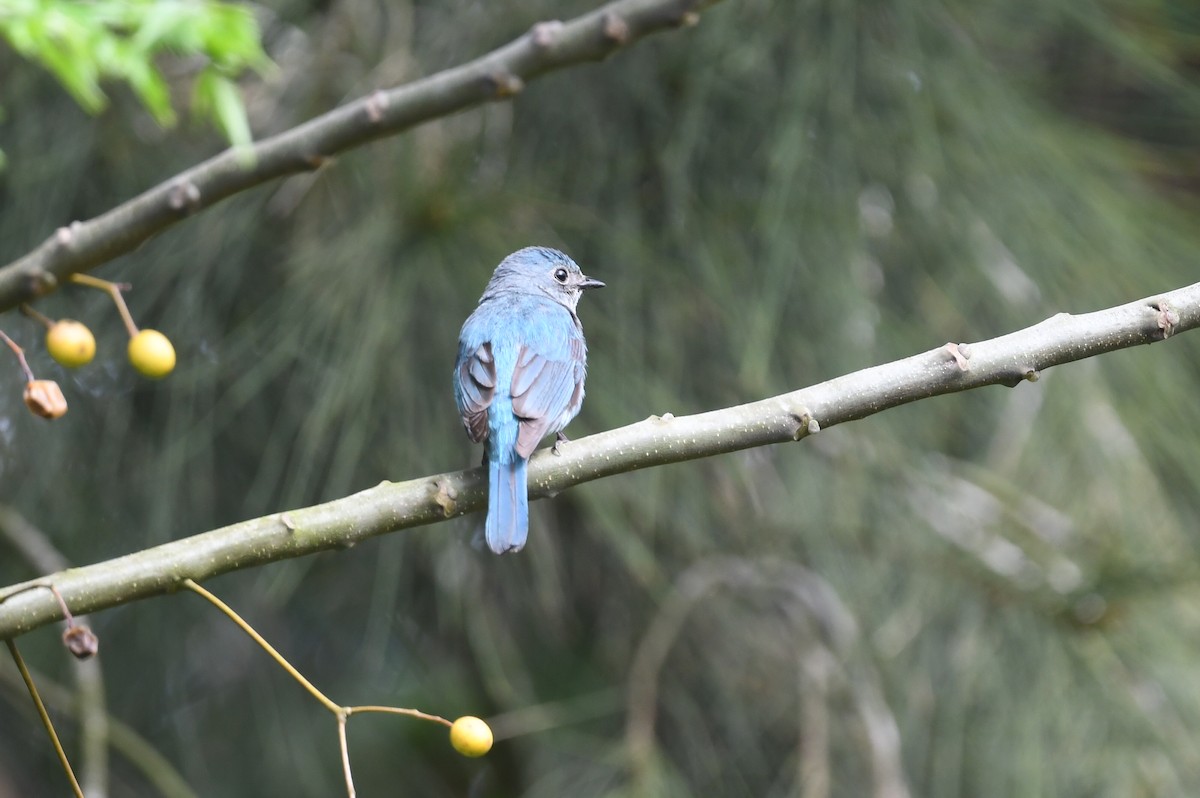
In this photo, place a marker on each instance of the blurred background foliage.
(83, 44)
(989, 594)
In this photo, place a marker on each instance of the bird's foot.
(559, 440)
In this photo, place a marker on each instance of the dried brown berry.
(44, 398)
(81, 641)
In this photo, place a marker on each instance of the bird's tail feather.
(508, 506)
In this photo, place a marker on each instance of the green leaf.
(75, 70)
(85, 43)
(20, 35)
(150, 88)
(217, 97)
(169, 26)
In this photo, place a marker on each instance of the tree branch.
(498, 75)
(388, 507)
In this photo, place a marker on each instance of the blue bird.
(519, 376)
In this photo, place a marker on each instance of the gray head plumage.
(541, 269)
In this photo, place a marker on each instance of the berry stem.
(415, 713)
(62, 603)
(341, 713)
(345, 755)
(28, 310)
(267, 647)
(20, 353)
(114, 291)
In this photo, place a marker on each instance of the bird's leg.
(559, 438)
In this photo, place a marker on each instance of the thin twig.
(114, 291)
(341, 724)
(341, 713)
(267, 647)
(20, 353)
(46, 584)
(45, 320)
(45, 716)
(412, 713)
(159, 772)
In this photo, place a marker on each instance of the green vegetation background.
(998, 588)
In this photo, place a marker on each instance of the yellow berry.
(151, 353)
(470, 736)
(71, 343)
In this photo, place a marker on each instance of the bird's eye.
(561, 275)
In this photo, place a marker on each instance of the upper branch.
(501, 73)
(1007, 360)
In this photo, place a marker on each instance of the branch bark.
(498, 75)
(391, 506)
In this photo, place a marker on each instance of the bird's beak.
(588, 282)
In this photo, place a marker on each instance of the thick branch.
(1007, 360)
(499, 74)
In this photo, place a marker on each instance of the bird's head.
(544, 270)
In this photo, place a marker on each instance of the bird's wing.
(546, 386)
(474, 388)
